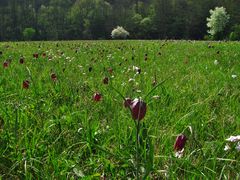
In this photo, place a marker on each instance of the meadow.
(52, 126)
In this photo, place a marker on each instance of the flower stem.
(137, 148)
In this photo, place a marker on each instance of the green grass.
(54, 130)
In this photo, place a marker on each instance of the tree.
(133, 25)
(146, 27)
(29, 33)
(235, 34)
(162, 18)
(52, 19)
(217, 21)
(180, 19)
(94, 19)
(91, 18)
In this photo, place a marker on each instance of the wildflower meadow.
(117, 109)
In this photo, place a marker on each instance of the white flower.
(131, 80)
(156, 97)
(136, 69)
(97, 132)
(238, 147)
(227, 147)
(129, 69)
(216, 62)
(179, 154)
(80, 129)
(234, 76)
(233, 138)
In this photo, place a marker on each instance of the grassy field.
(53, 129)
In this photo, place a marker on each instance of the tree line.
(95, 19)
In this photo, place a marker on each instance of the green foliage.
(207, 38)
(136, 19)
(133, 25)
(95, 19)
(217, 21)
(51, 20)
(235, 34)
(91, 18)
(146, 27)
(29, 33)
(146, 22)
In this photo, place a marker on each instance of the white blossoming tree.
(119, 33)
(217, 21)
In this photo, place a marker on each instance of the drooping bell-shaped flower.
(138, 109)
(97, 96)
(26, 84)
(180, 142)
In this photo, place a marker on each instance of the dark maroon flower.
(44, 55)
(180, 142)
(127, 102)
(21, 60)
(50, 58)
(138, 70)
(105, 80)
(138, 109)
(97, 96)
(90, 69)
(25, 84)
(35, 55)
(110, 70)
(54, 77)
(5, 64)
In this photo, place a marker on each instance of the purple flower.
(180, 142)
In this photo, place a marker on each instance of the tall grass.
(54, 130)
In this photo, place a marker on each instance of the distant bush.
(146, 22)
(119, 33)
(136, 19)
(207, 38)
(235, 34)
(217, 21)
(28, 33)
(146, 27)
